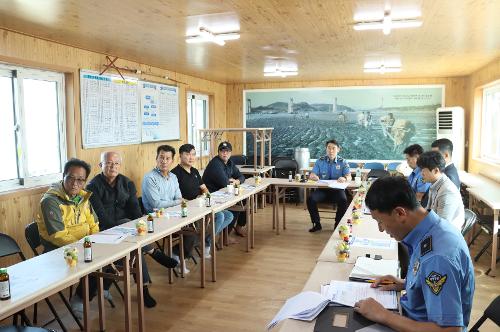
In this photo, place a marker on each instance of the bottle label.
(150, 226)
(207, 201)
(184, 212)
(4, 289)
(87, 254)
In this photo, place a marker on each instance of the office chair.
(9, 247)
(282, 168)
(470, 220)
(492, 312)
(374, 165)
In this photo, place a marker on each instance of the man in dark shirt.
(445, 147)
(115, 202)
(220, 172)
(192, 186)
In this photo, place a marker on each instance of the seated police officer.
(220, 172)
(329, 167)
(440, 281)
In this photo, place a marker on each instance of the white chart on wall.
(109, 110)
(159, 112)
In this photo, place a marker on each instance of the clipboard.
(345, 319)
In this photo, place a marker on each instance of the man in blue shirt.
(445, 147)
(415, 179)
(329, 167)
(160, 189)
(440, 281)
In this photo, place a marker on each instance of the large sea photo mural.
(369, 122)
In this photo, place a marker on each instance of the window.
(197, 108)
(32, 134)
(490, 139)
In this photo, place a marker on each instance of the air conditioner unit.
(450, 125)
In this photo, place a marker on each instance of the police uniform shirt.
(440, 280)
(328, 169)
(417, 182)
(189, 182)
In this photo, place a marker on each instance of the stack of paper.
(348, 293)
(334, 184)
(364, 242)
(304, 306)
(367, 269)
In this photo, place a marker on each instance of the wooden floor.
(250, 287)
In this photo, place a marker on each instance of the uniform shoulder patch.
(435, 281)
(426, 246)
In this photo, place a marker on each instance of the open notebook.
(367, 269)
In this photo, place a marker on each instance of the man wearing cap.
(220, 172)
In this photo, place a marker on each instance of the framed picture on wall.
(375, 122)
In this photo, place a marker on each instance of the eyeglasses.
(110, 163)
(72, 179)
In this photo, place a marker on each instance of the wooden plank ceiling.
(457, 36)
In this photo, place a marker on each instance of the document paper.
(348, 293)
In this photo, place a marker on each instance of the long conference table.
(487, 191)
(52, 274)
(328, 268)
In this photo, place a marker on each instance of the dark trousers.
(93, 284)
(327, 195)
(189, 242)
(239, 218)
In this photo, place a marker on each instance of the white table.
(327, 269)
(44, 275)
(487, 191)
(280, 186)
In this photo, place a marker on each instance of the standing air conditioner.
(450, 125)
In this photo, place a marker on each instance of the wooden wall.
(475, 83)
(454, 94)
(18, 208)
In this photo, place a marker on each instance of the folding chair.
(492, 312)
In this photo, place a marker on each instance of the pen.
(371, 281)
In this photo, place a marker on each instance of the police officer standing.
(329, 167)
(440, 280)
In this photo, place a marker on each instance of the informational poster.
(160, 112)
(109, 110)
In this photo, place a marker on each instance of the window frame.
(190, 96)
(495, 88)
(18, 74)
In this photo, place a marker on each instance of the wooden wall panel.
(454, 95)
(17, 209)
(475, 83)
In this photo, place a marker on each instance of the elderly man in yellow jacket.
(66, 216)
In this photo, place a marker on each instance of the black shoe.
(163, 259)
(149, 302)
(316, 227)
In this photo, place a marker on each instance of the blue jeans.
(222, 220)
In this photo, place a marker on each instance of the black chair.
(378, 173)
(9, 247)
(492, 312)
(33, 238)
(239, 159)
(486, 223)
(282, 169)
(470, 220)
(23, 329)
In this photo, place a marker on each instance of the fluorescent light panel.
(217, 38)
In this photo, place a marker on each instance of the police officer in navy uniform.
(329, 167)
(440, 281)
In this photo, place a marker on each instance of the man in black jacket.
(445, 147)
(115, 202)
(220, 172)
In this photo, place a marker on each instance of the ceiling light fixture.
(387, 23)
(382, 69)
(205, 36)
(279, 72)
